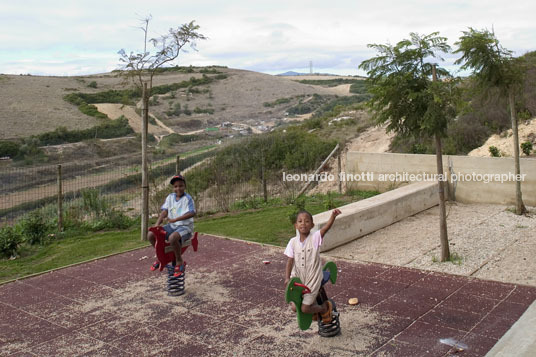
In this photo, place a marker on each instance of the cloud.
(259, 35)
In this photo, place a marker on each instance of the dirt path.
(114, 111)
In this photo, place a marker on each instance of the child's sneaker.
(155, 265)
(179, 270)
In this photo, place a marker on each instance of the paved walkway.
(234, 306)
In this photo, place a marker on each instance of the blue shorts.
(183, 231)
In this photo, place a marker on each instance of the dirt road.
(114, 111)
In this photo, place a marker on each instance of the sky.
(79, 37)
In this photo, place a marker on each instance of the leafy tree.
(494, 67)
(141, 68)
(409, 98)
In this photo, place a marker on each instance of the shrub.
(9, 148)
(113, 219)
(526, 147)
(10, 239)
(313, 123)
(92, 84)
(359, 87)
(209, 71)
(187, 111)
(277, 102)
(328, 201)
(109, 129)
(198, 110)
(175, 111)
(494, 151)
(34, 228)
(93, 202)
(29, 150)
(173, 139)
(91, 110)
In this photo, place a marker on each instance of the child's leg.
(175, 242)
(151, 238)
(315, 308)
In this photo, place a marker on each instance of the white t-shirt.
(178, 207)
(317, 242)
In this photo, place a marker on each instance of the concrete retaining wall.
(464, 167)
(366, 216)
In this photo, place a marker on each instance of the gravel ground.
(487, 241)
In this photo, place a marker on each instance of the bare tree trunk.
(144, 171)
(520, 207)
(177, 167)
(443, 236)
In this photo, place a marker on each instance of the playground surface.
(234, 306)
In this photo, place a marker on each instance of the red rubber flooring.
(234, 306)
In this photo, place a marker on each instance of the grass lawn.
(269, 225)
(66, 251)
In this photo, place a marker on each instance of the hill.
(36, 104)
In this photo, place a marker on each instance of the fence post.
(60, 201)
(177, 167)
(264, 188)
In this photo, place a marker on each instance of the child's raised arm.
(329, 223)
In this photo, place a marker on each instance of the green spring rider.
(294, 293)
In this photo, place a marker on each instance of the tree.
(141, 67)
(494, 67)
(409, 95)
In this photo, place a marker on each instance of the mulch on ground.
(234, 305)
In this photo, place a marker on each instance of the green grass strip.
(68, 251)
(269, 226)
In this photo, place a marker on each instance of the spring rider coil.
(165, 255)
(294, 292)
(175, 285)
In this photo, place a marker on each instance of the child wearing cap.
(179, 210)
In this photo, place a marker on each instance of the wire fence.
(256, 170)
(89, 190)
(239, 177)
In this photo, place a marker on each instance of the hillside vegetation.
(485, 115)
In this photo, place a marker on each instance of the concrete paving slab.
(234, 305)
